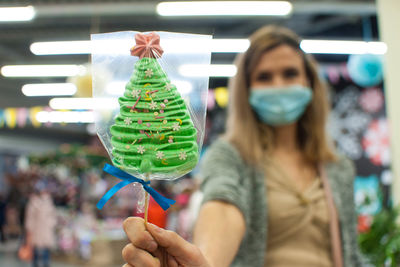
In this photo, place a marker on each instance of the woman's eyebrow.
(290, 69)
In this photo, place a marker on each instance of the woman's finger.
(138, 235)
(176, 246)
(138, 257)
(171, 261)
(165, 258)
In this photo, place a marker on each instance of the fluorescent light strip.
(221, 70)
(83, 103)
(49, 89)
(42, 70)
(122, 47)
(184, 87)
(65, 116)
(10, 14)
(342, 47)
(225, 8)
(229, 45)
(216, 46)
(61, 48)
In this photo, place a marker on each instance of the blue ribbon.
(164, 202)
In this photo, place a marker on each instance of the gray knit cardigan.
(228, 178)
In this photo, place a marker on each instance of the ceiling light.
(49, 89)
(183, 87)
(8, 14)
(181, 46)
(221, 70)
(224, 8)
(229, 45)
(81, 47)
(83, 103)
(42, 70)
(60, 48)
(65, 116)
(342, 47)
(215, 45)
(122, 47)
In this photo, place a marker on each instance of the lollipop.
(153, 134)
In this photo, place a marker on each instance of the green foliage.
(76, 157)
(381, 244)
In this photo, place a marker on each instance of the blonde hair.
(253, 138)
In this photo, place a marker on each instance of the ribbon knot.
(164, 202)
(144, 182)
(147, 45)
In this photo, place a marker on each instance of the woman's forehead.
(281, 56)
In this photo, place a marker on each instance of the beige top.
(298, 223)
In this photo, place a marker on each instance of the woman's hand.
(155, 246)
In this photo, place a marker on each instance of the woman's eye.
(291, 73)
(263, 76)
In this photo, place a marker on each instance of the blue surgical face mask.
(280, 105)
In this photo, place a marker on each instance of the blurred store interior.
(48, 141)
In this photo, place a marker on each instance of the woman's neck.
(286, 138)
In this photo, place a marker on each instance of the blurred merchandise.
(366, 70)
(20, 117)
(83, 82)
(73, 176)
(367, 195)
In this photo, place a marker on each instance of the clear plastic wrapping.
(149, 114)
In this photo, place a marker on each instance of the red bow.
(147, 45)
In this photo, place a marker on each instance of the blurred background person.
(40, 223)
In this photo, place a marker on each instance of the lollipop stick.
(146, 207)
(146, 204)
(146, 212)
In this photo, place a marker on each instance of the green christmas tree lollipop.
(153, 133)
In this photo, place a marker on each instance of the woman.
(40, 222)
(275, 192)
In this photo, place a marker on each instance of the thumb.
(176, 246)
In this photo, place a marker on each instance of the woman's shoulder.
(222, 144)
(222, 149)
(342, 169)
(343, 163)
